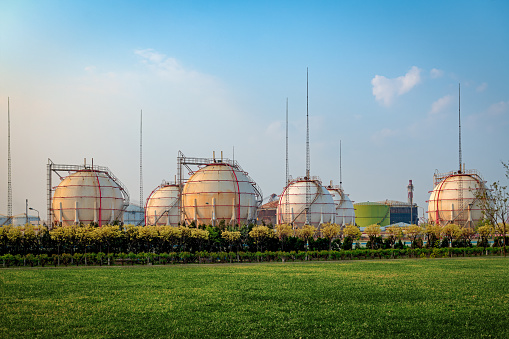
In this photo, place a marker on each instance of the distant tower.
(141, 162)
(308, 162)
(287, 205)
(9, 182)
(459, 125)
(340, 174)
(410, 189)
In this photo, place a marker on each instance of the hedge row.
(94, 259)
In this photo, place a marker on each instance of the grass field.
(377, 299)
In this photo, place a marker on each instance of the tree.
(433, 233)
(484, 231)
(330, 232)
(231, 237)
(451, 232)
(306, 232)
(351, 233)
(199, 235)
(413, 232)
(169, 236)
(465, 237)
(373, 231)
(283, 231)
(393, 234)
(260, 234)
(107, 235)
(494, 203)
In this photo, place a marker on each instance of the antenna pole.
(308, 197)
(9, 182)
(340, 174)
(307, 126)
(287, 202)
(287, 168)
(459, 120)
(141, 164)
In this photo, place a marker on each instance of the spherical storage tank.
(88, 196)
(369, 213)
(217, 192)
(162, 206)
(292, 204)
(345, 212)
(453, 200)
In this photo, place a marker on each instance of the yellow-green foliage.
(352, 232)
(261, 232)
(413, 232)
(230, 236)
(306, 232)
(283, 231)
(330, 231)
(199, 234)
(373, 230)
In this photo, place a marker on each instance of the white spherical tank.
(453, 200)
(345, 212)
(162, 206)
(292, 204)
(219, 192)
(88, 196)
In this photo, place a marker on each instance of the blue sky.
(210, 76)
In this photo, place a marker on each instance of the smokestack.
(410, 189)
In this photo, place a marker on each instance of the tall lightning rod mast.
(308, 176)
(307, 127)
(340, 174)
(141, 163)
(459, 120)
(9, 182)
(287, 167)
(287, 202)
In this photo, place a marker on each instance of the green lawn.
(381, 298)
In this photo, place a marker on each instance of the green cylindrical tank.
(369, 213)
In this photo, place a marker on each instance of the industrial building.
(267, 213)
(19, 220)
(401, 212)
(369, 213)
(134, 214)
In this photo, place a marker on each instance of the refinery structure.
(87, 194)
(215, 191)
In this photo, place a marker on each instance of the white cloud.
(436, 73)
(441, 104)
(482, 87)
(495, 117)
(385, 89)
(383, 134)
(275, 128)
(498, 109)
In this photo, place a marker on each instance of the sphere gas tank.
(345, 212)
(219, 192)
(453, 200)
(87, 196)
(163, 206)
(292, 204)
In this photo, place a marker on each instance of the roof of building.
(269, 205)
